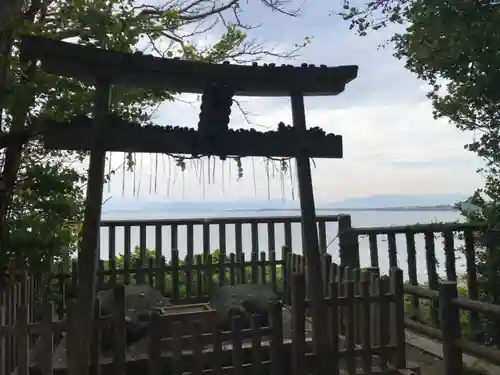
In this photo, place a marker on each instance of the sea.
(359, 218)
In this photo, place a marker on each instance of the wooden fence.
(184, 281)
(187, 279)
(24, 293)
(366, 311)
(448, 232)
(144, 250)
(248, 235)
(365, 325)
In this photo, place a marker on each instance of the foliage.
(47, 194)
(40, 190)
(424, 315)
(39, 214)
(487, 250)
(374, 15)
(452, 46)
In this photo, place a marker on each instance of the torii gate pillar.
(310, 241)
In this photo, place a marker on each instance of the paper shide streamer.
(205, 169)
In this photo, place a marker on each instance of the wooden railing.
(450, 332)
(166, 234)
(424, 306)
(448, 232)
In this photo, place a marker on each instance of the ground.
(433, 365)
(430, 365)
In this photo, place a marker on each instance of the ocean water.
(358, 218)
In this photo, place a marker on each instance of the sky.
(392, 144)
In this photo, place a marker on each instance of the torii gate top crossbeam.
(121, 135)
(134, 69)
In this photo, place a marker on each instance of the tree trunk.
(14, 150)
(5, 52)
(12, 161)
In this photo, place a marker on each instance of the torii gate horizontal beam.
(135, 69)
(121, 135)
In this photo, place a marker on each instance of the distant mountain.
(386, 201)
(134, 204)
(439, 201)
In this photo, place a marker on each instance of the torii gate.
(218, 83)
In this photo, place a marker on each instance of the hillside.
(377, 202)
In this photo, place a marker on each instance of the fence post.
(175, 276)
(72, 340)
(326, 262)
(3, 339)
(47, 337)
(119, 331)
(154, 344)
(398, 318)
(277, 339)
(450, 318)
(95, 344)
(348, 243)
(286, 273)
(298, 295)
(22, 339)
(74, 276)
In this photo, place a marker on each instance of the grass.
(424, 313)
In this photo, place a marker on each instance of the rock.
(140, 301)
(244, 300)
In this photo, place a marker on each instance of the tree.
(453, 46)
(39, 190)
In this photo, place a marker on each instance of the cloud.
(392, 144)
(392, 148)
